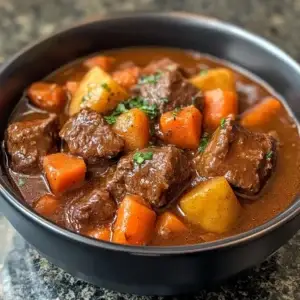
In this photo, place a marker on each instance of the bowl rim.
(236, 240)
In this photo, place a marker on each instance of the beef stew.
(153, 146)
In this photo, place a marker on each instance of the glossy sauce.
(278, 193)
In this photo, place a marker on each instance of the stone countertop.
(26, 275)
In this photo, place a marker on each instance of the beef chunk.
(28, 141)
(163, 64)
(246, 159)
(168, 64)
(158, 180)
(169, 90)
(89, 136)
(91, 210)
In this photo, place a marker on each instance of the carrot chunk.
(261, 113)
(63, 171)
(46, 206)
(48, 96)
(218, 104)
(182, 127)
(133, 126)
(135, 222)
(100, 233)
(168, 223)
(104, 62)
(127, 77)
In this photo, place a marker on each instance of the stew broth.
(277, 194)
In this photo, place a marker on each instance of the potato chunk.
(97, 91)
(133, 126)
(212, 205)
(218, 78)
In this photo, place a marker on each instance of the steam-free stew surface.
(91, 201)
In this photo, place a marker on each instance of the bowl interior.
(170, 30)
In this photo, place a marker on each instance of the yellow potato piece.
(97, 91)
(218, 78)
(212, 205)
(133, 126)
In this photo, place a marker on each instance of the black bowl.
(149, 270)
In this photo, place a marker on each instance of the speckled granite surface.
(24, 274)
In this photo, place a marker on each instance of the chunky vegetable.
(47, 205)
(63, 171)
(71, 87)
(103, 62)
(48, 96)
(97, 91)
(168, 223)
(100, 233)
(135, 222)
(127, 78)
(218, 104)
(133, 126)
(212, 205)
(218, 78)
(261, 113)
(182, 127)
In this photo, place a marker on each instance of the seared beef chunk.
(168, 90)
(245, 158)
(91, 210)
(89, 136)
(28, 141)
(163, 64)
(158, 178)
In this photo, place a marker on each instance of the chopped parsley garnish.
(111, 119)
(138, 102)
(269, 155)
(135, 102)
(223, 123)
(204, 142)
(21, 182)
(140, 157)
(203, 72)
(150, 79)
(85, 98)
(165, 99)
(176, 111)
(105, 86)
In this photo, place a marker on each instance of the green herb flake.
(204, 142)
(105, 86)
(269, 155)
(21, 182)
(85, 98)
(223, 123)
(136, 102)
(140, 157)
(176, 111)
(165, 100)
(150, 79)
(110, 119)
(203, 72)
